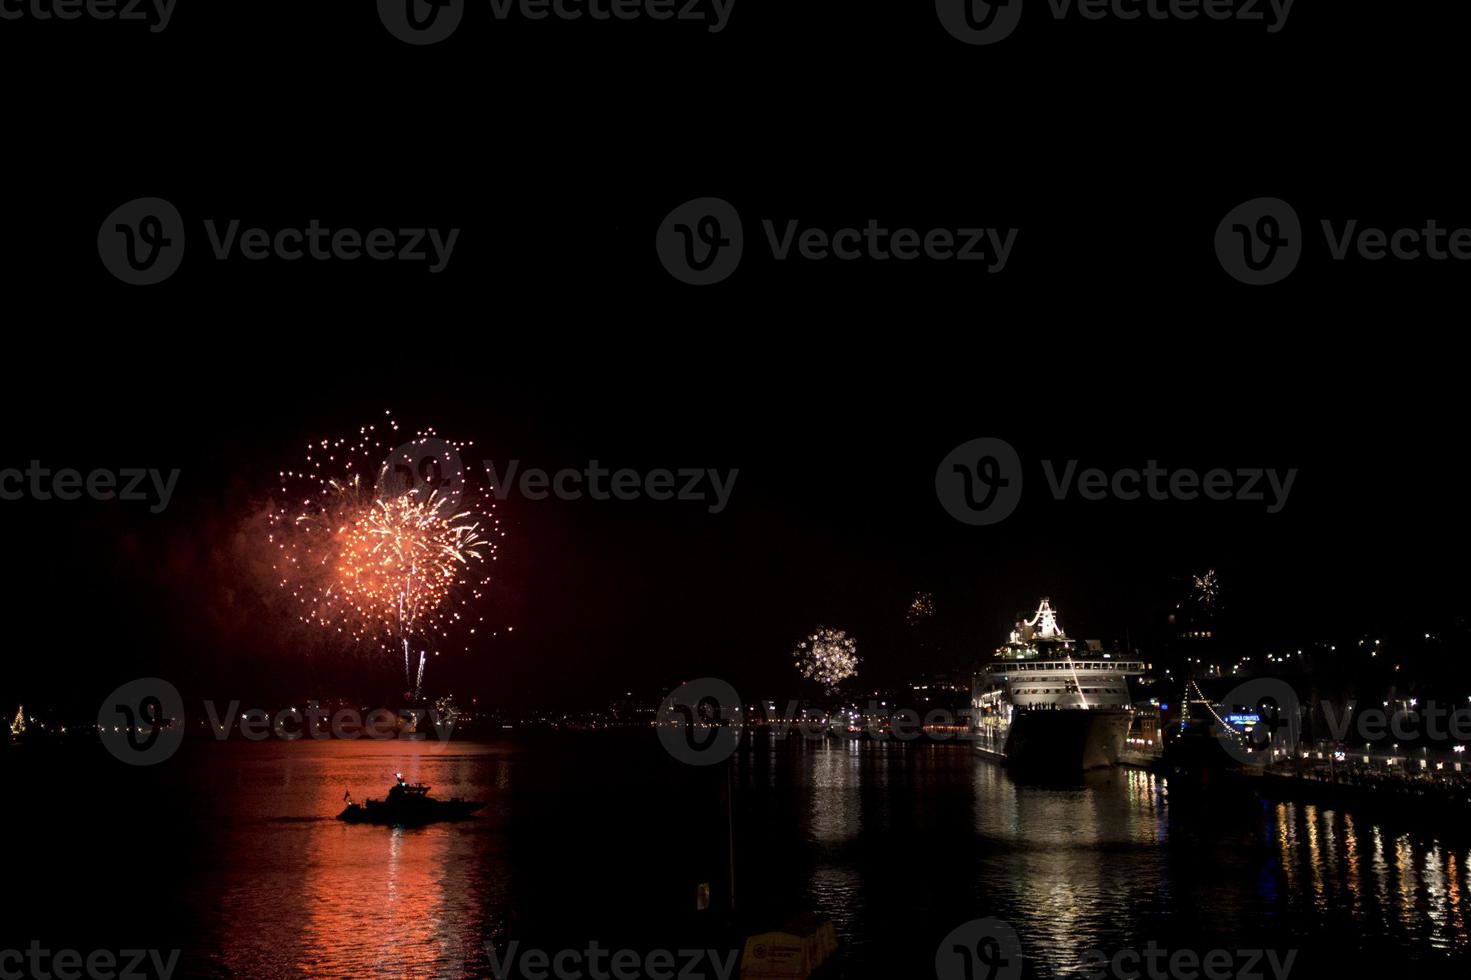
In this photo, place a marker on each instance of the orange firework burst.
(407, 558)
(396, 564)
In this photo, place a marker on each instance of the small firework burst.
(390, 562)
(1207, 589)
(921, 608)
(449, 712)
(828, 656)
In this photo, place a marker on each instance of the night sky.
(834, 388)
(833, 520)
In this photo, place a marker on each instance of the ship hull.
(408, 815)
(1064, 740)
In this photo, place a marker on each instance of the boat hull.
(414, 815)
(1064, 740)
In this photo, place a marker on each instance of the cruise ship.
(1043, 704)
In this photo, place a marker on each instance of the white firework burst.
(828, 656)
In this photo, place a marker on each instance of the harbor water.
(230, 853)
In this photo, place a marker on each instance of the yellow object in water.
(792, 953)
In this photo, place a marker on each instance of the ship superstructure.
(1042, 702)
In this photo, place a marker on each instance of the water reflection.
(1378, 882)
(910, 839)
(603, 840)
(312, 896)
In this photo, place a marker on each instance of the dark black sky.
(556, 337)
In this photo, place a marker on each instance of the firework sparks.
(1207, 589)
(921, 608)
(828, 656)
(389, 565)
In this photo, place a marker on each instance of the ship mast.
(1047, 618)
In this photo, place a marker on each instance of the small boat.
(407, 805)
